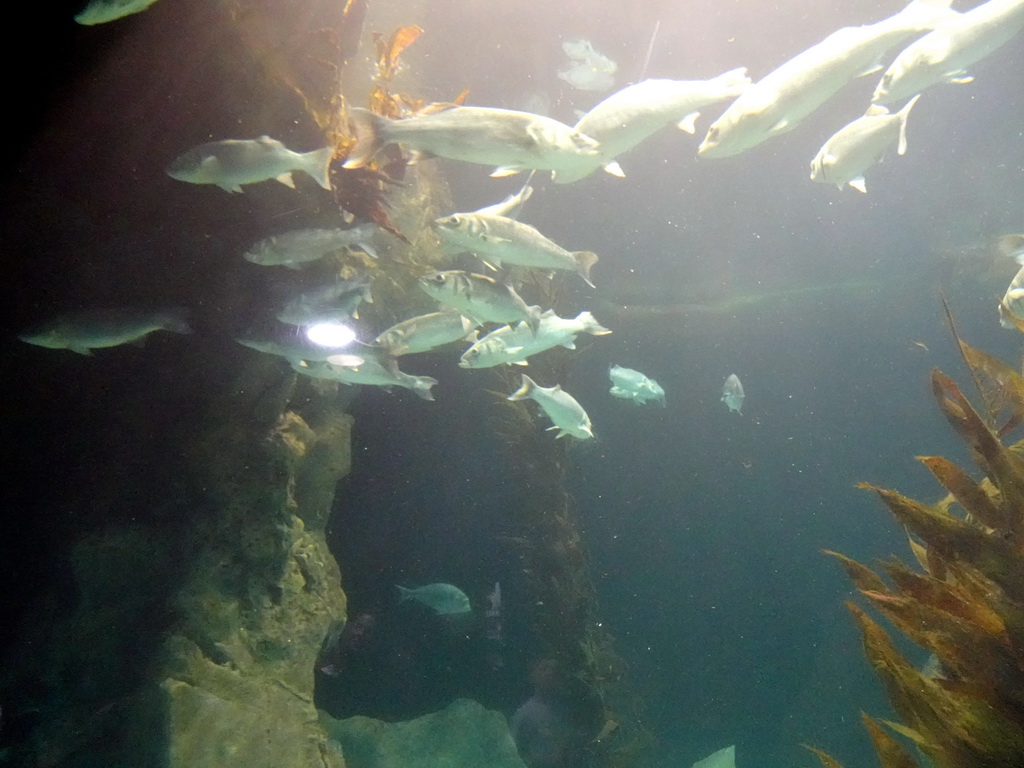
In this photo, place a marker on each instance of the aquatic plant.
(965, 603)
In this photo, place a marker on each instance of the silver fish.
(294, 347)
(512, 346)
(479, 297)
(301, 246)
(85, 331)
(426, 332)
(566, 414)
(362, 368)
(732, 394)
(512, 205)
(784, 97)
(335, 302)
(443, 599)
(630, 116)
(945, 54)
(499, 239)
(630, 384)
(855, 147)
(513, 141)
(102, 11)
(231, 163)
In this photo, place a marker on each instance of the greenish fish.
(443, 599)
(85, 331)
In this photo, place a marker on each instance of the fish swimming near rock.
(513, 141)
(87, 330)
(732, 394)
(442, 599)
(513, 345)
(499, 239)
(231, 163)
(426, 332)
(779, 101)
(102, 11)
(479, 297)
(629, 384)
(298, 247)
(855, 147)
(335, 302)
(631, 116)
(566, 414)
(943, 55)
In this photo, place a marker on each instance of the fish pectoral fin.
(859, 184)
(505, 170)
(870, 69)
(689, 123)
(519, 362)
(494, 239)
(286, 179)
(780, 127)
(231, 187)
(958, 77)
(87, 351)
(614, 169)
(368, 249)
(571, 344)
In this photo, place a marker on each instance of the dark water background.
(704, 528)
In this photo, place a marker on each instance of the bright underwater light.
(330, 334)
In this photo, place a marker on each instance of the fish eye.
(437, 277)
(713, 133)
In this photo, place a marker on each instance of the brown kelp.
(965, 602)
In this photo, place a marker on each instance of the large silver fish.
(301, 246)
(855, 147)
(513, 141)
(781, 99)
(499, 239)
(512, 346)
(336, 302)
(479, 297)
(634, 114)
(231, 163)
(630, 384)
(944, 54)
(426, 332)
(85, 331)
(363, 368)
(566, 414)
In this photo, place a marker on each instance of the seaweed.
(966, 603)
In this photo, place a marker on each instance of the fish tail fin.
(901, 149)
(523, 393)
(591, 326)
(584, 261)
(366, 128)
(421, 386)
(1012, 247)
(734, 82)
(533, 320)
(318, 165)
(176, 320)
(404, 592)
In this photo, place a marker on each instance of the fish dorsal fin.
(877, 110)
(505, 170)
(859, 184)
(689, 123)
(437, 106)
(614, 169)
(286, 179)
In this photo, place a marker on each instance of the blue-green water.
(704, 528)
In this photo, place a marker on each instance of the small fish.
(442, 599)
(567, 416)
(511, 206)
(1011, 308)
(335, 302)
(363, 369)
(85, 331)
(588, 70)
(942, 56)
(426, 332)
(779, 101)
(732, 394)
(231, 163)
(102, 11)
(629, 384)
(513, 141)
(855, 148)
(512, 346)
(499, 239)
(301, 246)
(630, 116)
(479, 297)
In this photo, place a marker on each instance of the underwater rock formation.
(462, 735)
